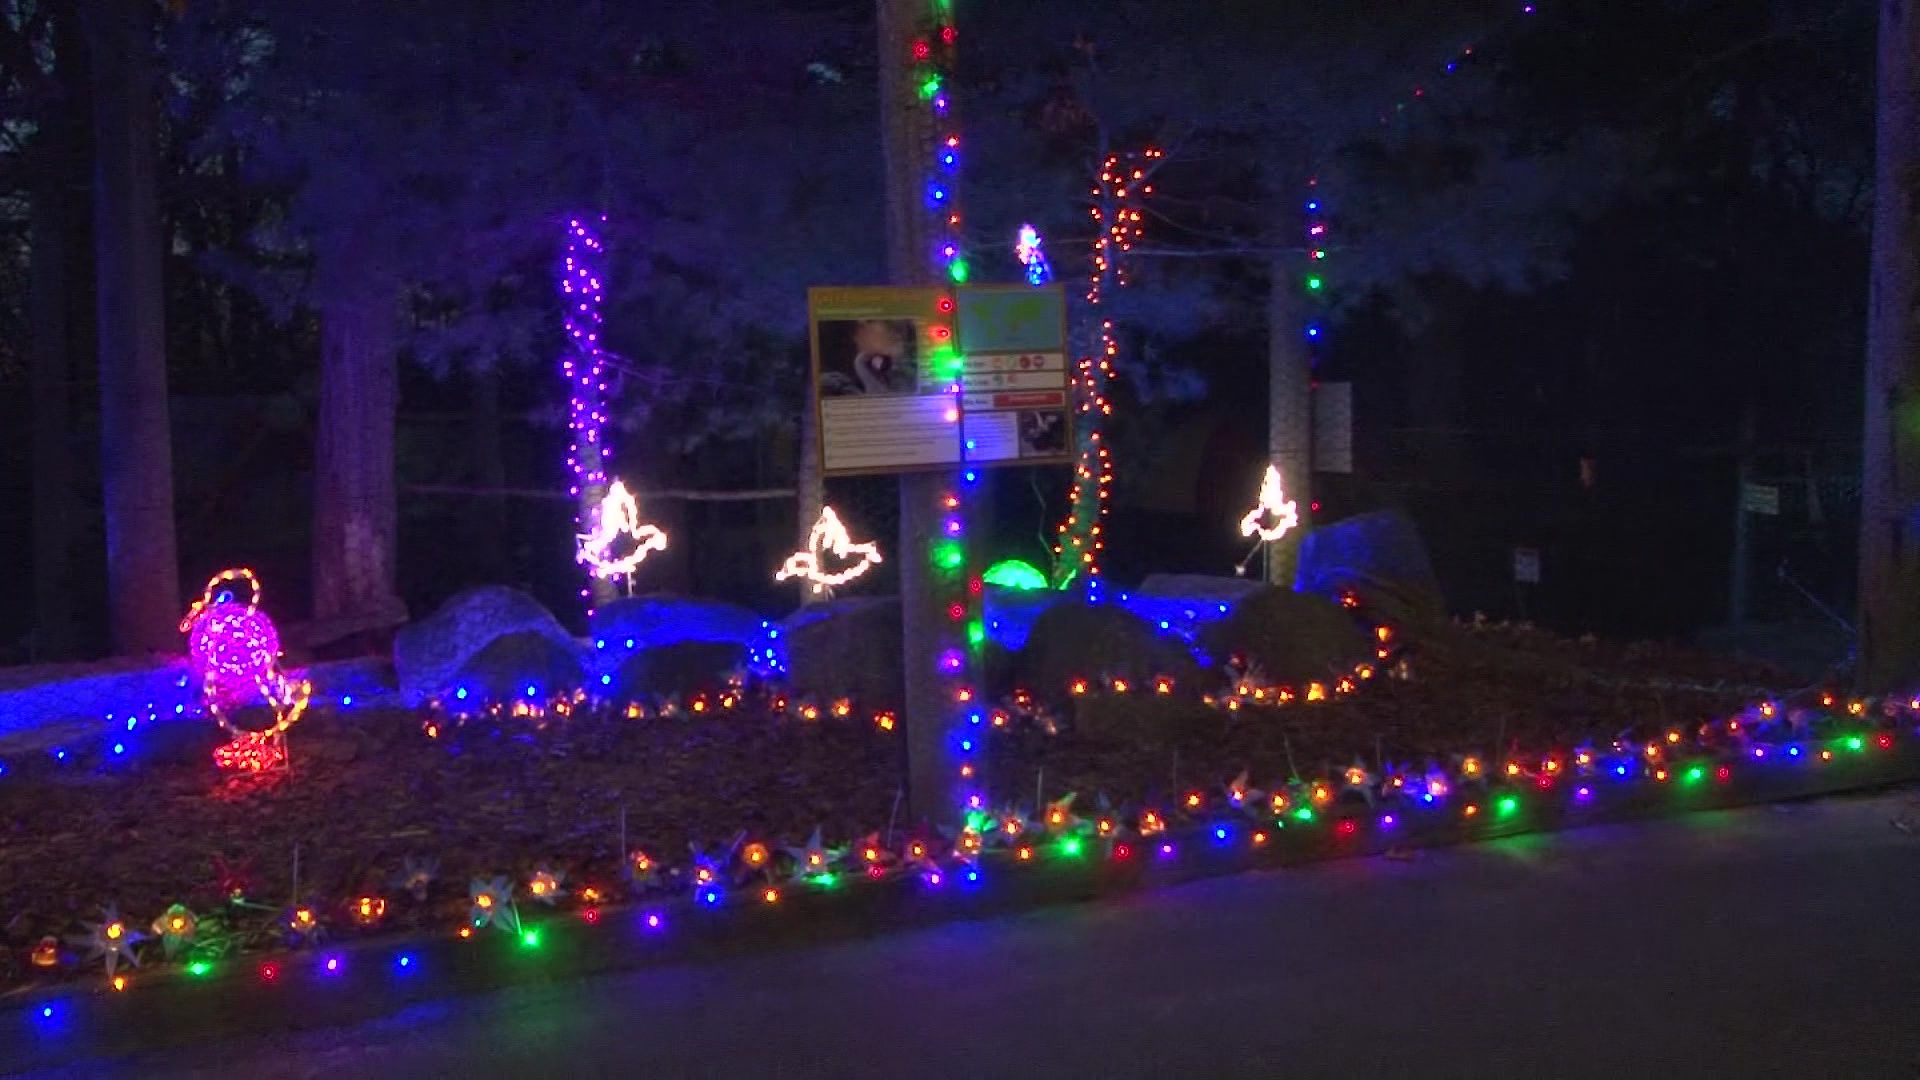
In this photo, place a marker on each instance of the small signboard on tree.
(909, 379)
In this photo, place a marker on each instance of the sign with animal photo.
(885, 372)
(924, 378)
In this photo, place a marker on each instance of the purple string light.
(583, 365)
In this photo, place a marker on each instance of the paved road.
(1766, 942)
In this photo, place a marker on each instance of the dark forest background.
(1582, 283)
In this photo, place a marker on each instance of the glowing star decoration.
(617, 524)
(1273, 501)
(175, 928)
(1033, 258)
(110, 939)
(416, 875)
(545, 885)
(815, 858)
(234, 649)
(492, 905)
(829, 539)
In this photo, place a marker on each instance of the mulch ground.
(368, 789)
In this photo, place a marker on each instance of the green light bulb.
(976, 634)
(530, 939)
(1303, 814)
(929, 87)
(948, 556)
(199, 969)
(957, 270)
(1508, 805)
(1071, 847)
(1315, 282)
(1855, 742)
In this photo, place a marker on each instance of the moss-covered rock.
(689, 667)
(1381, 558)
(1290, 636)
(1094, 641)
(511, 665)
(846, 648)
(429, 654)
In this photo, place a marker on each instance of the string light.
(617, 518)
(584, 366)
(828, 538)
(1079, 538)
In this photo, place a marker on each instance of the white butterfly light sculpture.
(1273, 501)
(829, 537)
(619, 516)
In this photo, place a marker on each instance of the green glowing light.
(1694, 775)
(1071, 847)
(1303, 814)
(1014, 574)
(1507, 805)
(1315, 283)
(199, 969)
(1855, 742)
(826, 881)
(976, 634)
(948, 556)
(957, 270)
(929, 87)
(529, 939)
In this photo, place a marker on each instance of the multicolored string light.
(960, 589)
(1123, 180)
(584, 366)
(1316, 223)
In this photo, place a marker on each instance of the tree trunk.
(52, 424)
(1890, 486)
(136, 450)
(487, 516)
(906, 142)
(355, 520)
(810, 488)
(1289, 411)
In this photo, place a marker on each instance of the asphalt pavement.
(1778, 941)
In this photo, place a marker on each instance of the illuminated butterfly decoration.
(829, 537)
(619, 516)
(1286, 514)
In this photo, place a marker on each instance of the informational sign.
(1526, 566)
(1333, 427)
(920, 378)
(1016, 409)
(1760, 499)
(883, 406)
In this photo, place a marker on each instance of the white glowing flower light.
(1273, 501)
(829, 538)
(619, 516)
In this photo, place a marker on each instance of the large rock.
(846, 648)
(1291, 637)
(524, 665)
(682, 668)
(1196, 588)
(644, 622)
(428, 655)
(1092, 641)
(1381, 557)
(1010, 613)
